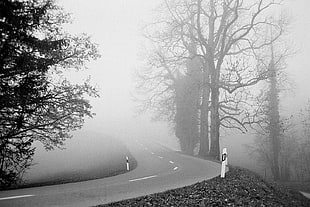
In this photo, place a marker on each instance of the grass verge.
(97, 171)
(241, 187)
(83, 175)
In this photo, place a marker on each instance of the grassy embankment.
(241, 187)
(87, 162)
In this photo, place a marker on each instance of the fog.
(116, 27)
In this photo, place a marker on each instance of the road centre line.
(13, 197)
(160, 157)
(175, 168)
(144, 178)
(171, 162)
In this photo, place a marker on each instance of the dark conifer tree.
(33, 106)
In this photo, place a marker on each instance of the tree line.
(207, 57)
(219, 65)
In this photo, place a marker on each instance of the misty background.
(116, 26)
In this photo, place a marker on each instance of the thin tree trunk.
(274, 117)
(274, 121)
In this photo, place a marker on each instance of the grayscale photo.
(154, 103)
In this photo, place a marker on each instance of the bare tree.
(274, 143)
(230, 31)
(172, 84)
(229, 39)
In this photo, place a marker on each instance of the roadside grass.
(107, 170)
(110, 161)
(240, 187)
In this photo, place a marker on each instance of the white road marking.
(152, 153)
(13, 197)
(175, 168)
(171, 162)
(160, 157)
(144, 178)
(306, 194)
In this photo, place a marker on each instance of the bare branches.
(229, 40)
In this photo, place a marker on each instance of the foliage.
(33, 105)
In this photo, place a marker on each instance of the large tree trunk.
(215, 117)
(204, 117)
(215, 124)
(214, 76)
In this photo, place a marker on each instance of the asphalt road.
(158, 169)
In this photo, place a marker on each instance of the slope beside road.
(158, 169)
(240, 187)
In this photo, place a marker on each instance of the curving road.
(158, 169)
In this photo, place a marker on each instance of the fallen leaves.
(240, 188)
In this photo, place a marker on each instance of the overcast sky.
(115, 26)
(299, 65)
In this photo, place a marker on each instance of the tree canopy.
(35, 104)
